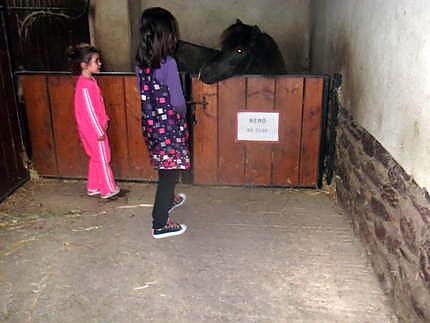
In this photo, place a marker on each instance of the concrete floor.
(250, 255)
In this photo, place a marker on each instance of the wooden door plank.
(258, 165)
(8, 153)
(8, 147)
(139, 160)
(205, 132)
(71, 158)
(231, 162)
(286, 155)
(39, 123)
(4, 168)
(311, 131)
(10, 124)
(114, 97)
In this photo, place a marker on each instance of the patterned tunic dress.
(165, 130)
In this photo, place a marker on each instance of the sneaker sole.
(171, 234)
(109, 196)
(184, 198)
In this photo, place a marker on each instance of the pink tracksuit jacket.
(92, 120)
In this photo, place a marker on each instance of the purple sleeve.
(168, 74)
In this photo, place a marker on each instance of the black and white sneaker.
(179, 200)
(169, 230)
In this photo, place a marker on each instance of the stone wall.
(390, 212)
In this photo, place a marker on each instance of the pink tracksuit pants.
(100, 176)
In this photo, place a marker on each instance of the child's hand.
(101, 138)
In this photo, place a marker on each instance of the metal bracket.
(203, 103)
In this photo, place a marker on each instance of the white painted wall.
(287, 21)
(111, 33)
(114, 25)
(382, 48)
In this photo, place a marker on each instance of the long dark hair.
(159, 35)
(81, 53)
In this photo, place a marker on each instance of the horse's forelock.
(226, 35)
(241, 32)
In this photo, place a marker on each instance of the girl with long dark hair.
(163, 114)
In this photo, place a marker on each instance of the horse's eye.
(239, 50)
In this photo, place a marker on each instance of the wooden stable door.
(217, 156)
(293, 161)
(12, 170)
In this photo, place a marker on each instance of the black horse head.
(245, 49)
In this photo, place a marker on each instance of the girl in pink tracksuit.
(92, 122)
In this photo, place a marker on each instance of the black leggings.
(164, 196)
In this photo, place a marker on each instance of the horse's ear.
(238, 21)
(257, 29)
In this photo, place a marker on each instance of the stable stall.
(247, 130)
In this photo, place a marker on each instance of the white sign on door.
(258, 126)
